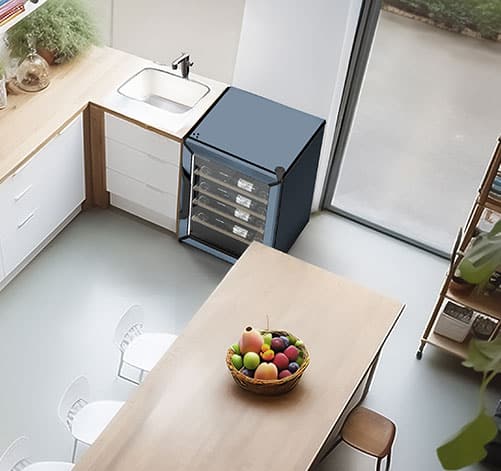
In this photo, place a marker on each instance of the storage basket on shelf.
(267, 387)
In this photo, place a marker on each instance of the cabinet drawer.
(141, 193)
(143, 140)
(141, 166)
(23, 237)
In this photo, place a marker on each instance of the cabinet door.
(37, 198)
(142, 171)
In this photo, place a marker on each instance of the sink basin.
(164, 90)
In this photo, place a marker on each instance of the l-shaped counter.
(80, 141)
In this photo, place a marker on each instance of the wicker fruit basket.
(269, 387)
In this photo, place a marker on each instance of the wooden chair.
(370, 433)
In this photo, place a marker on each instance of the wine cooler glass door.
(228, 203)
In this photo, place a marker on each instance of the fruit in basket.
(277, 344)
(284, 374)
(237, 361)
(268, 355)
(246, 372)
(266, 371)
(267, 338)
(300, 358)
(236, 348)
(250, 341)
(293, 367)
(299, 343)
(251, 360)
(281, 361)
(285, 340)
(292, 352)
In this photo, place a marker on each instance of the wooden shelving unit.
(29, 8)
(486, 204)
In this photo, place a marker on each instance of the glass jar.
(33, 73)
(3, 92)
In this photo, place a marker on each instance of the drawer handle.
(20, 195)
(154, 188)
(21, 224)
(158, 159)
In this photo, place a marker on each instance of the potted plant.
(62, 29)
(468, 445)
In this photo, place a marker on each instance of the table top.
(189, 414)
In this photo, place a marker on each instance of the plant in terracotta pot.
(62, 29)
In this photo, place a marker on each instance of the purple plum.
(293, 367)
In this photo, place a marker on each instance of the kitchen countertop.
(31, 120)
(188, 414)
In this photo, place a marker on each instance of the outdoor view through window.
(427, 118)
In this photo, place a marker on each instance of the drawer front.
(22, 238)
(142, 140)
(141, 193)
(38, 198)
(141, 166)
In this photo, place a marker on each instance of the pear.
(250, 341)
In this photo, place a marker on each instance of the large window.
(426, 121)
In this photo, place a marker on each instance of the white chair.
(84, 419)
(138, 349)
(17, 458)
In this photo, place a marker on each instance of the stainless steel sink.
(164, 90)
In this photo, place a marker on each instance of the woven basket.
(273, 387)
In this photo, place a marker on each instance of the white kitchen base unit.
(142, 171)
(143, 213)
(40, 196)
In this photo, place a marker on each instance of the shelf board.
(493, 204)
(458, 349)
(490, 305)
(29, 8)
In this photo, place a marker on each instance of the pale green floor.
(57, 320)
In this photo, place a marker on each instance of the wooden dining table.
(189, 414)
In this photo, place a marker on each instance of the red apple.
(284, 374)
(281, 361)
(292, 352)
(266, 371)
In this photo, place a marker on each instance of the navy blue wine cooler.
(249, 170)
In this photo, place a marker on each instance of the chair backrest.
(76, 396)
(129, 326)
(16, 456)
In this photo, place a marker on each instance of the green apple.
(300, 358)
(267, 338)
(236, 348)
(292, 339)
(237, 361)
(299, 343)
(251, 360)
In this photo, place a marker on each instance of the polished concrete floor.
(58, 316)
(425, 127)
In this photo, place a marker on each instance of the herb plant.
(63, 27)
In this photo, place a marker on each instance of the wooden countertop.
(190, 415)
(32, 119)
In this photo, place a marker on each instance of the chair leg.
(378, 464)
(388, 461)
(75, 445)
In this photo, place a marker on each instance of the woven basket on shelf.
(273, 387)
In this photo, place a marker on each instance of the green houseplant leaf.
(468, 445)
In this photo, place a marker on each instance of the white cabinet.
(40, 195)
(142, 171)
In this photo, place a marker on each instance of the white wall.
(102, 12)
(297, 52)
(161, 30)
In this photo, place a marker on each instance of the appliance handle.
(184, 207)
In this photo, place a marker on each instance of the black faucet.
(184, 61)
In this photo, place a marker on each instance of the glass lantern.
(33, 73)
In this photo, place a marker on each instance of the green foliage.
(64, 27)
(483, 16)
(468, 445)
